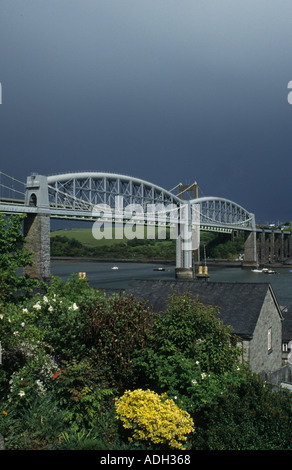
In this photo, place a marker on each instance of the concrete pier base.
(184, 273)
(250, 250)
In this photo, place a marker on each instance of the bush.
(13, 286)
(154, 419)
(115, 328)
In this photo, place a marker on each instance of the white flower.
(21, 393)
(1, 317)
(45, 299)
(74, 307)
(40, 386)
(37, 306)
(50, 308)
(194, 382)
(24, 310)
(22, 324)
(197, 362)
(203, 375)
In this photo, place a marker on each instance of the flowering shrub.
(18, 328)
(61, 321)
(32, 380)
(154, 418)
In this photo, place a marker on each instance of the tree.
(115, 328)
(189, 354)
(13, 257)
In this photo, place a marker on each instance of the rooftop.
(239, 303)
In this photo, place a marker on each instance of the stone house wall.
(265, 348)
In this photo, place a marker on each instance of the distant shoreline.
(72, 259)
(226, 263)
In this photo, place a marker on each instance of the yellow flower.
(154, 418)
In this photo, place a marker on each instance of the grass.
(85, 236)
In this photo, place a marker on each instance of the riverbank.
(69, 259)
(220, 263)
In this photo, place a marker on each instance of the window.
(269, 339)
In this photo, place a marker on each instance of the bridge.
(104, 198)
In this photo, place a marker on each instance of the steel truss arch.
(84, 190)
(221, 212)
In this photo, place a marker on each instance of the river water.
(101, 274)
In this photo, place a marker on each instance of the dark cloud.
(168, 91)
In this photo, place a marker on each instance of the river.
(101, 274)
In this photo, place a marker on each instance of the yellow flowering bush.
(154, 418)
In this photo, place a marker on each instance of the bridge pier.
(274, 247)
(36, 230)
(250, 250)
(36, 227)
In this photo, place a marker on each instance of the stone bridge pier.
(36, 228)
(250, 249)
(274, 246)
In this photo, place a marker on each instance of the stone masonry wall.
(37, 233)
(261, 359)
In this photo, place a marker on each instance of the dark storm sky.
(165, 90)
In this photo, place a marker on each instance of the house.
(251, 309)
(287, 335)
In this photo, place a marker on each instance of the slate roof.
(239, 303)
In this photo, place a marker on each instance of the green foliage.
(13, 257)
(127, 249)
(70, 350)
(64, 246)
(60, 317)
(30, 381)
(82, 440)
(248, 416)
(116, 327)
(35, 427)
(220, 246)
(188, 345)
(80, 394)
(81, 243)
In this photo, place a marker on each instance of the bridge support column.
(250, 250)
(184, 245)
(37, 232)
(184, 262)
(264, 244)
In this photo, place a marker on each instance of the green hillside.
(80, 242)
(84, 236)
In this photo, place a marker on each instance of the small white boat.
(256, 270)
(115, 268)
